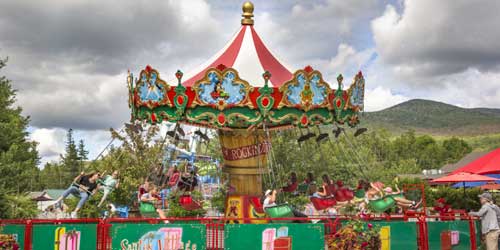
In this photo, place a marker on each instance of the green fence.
(264, 236)
(460, 230)
(68, 236)
(398, 234)
(17, 230)
(158, 236)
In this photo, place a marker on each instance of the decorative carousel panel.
(356, 93)
(222, 88)
(150, 90)
(157, 115)
(285, 116)
(306, 90)
(238, 117)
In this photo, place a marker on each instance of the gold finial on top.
(247, 13)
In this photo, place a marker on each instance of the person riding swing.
(83, 186)
(108, 184)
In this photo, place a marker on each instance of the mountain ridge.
(432, 117)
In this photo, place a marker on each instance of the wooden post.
(245, 159)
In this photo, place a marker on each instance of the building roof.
(421, 176)
(55, 193)
(39, 196)
(448, 168)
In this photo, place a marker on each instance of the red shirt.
(444, 210)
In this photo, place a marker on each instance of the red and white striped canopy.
(249, 56)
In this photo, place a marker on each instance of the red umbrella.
(463, 177)
(487, 164)
(490, 186)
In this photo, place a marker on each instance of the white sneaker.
(74, 215)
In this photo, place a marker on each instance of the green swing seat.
(400, 195)
(280, 211)
(360, 193)
(148, 210)
(383, 204)
(302, 188)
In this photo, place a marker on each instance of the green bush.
(456, 197)
(218, 200)
(17, 207)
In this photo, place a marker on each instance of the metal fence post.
(28, 230)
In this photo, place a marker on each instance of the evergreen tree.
(18, 156)
(70, 159)
(82, 154)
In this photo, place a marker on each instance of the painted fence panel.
(397, 234)
(274, 236)
(16, 231)
(67, 236)
(452, 234)
(145, 236)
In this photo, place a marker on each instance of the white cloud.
(431, 38)
(380, 98)
(50, 143)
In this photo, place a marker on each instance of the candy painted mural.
(158, 237)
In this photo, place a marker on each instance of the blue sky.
(68, 59)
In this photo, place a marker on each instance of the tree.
(455, 149)
(136, 159)
(18, 155)
(82, 154)
(70, 159)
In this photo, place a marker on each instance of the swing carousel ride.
(243, 93)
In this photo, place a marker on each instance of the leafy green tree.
(136, 158)
(455, 149)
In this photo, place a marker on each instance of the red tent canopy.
(463, 177)
(487, 164)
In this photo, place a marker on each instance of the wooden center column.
(245, 159)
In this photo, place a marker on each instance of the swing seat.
(255, 201)
(148, 210)
(291, 188)
(400, 195)
(186, 202)
(302, 188)
(173, 180)
(323, 203)
(383, 204)
(360, 193)
(279, 211)
(185, 199)
(344, 194)
(122, 211)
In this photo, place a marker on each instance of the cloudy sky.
(68, 59)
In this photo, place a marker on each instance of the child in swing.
(291, 184)
(109, 183)
(83, 186)
(153, 198)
